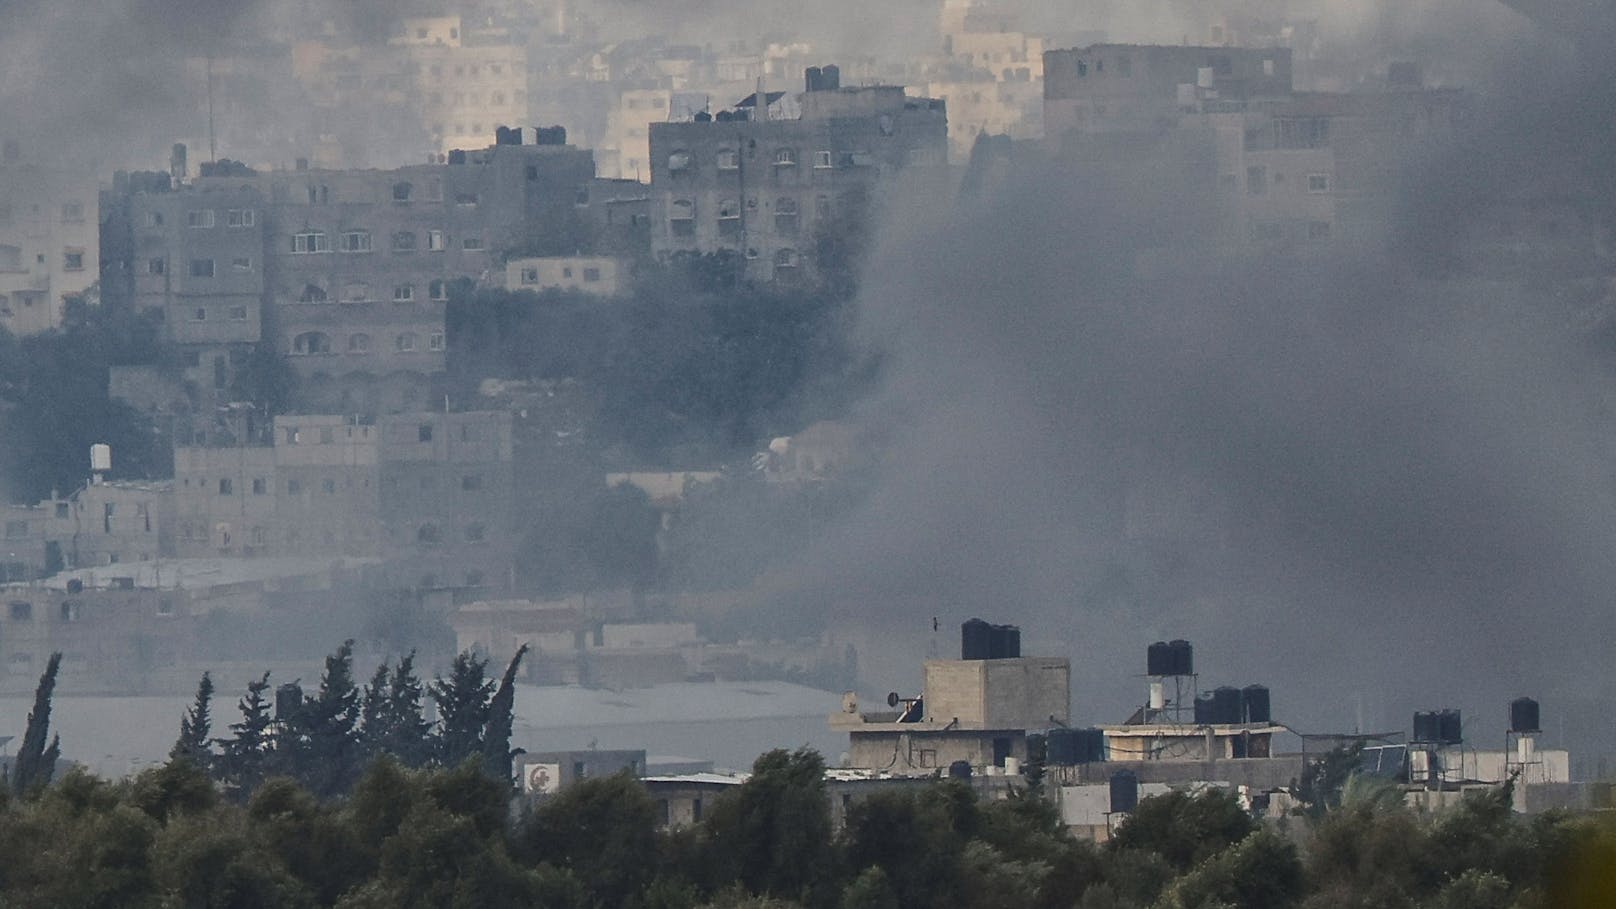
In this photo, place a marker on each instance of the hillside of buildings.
(715, 356)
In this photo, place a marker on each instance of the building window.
(1318, 230)
(355, 241)
(682, 218)
(822, 159)
(201, 268)
(294, 487)
(1256, 180)
(200, 218)
(428, 535)
(785, 215)
(471, 243)
(404, 293)
(466, 198)
(310, 241)
(729, 217)
(1318, 183)
(471, 482)
(73, 260)
(404, 241)
(423, 432)
(200, 314)
(434, 241)
(156, 266)
(530, 275)
(312, 293)
(434, 341)
(260, 486)
(238, 313)
(438, 289)
(70, 611)
(402, 192)
(355, 292)
(359, 343)
(406, 342)
(227, 487)
(240, 217)
(679, 162)
(591, 275)
(328, 486)
(22, 611)
(786, 258)
(73, 211)
(311, 342)
(785, 157)
(566, 271)
(728, 159)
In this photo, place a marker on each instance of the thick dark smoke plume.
(1360, 477)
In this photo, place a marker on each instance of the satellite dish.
(893, 699)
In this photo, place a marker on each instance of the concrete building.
(625, 149)
(134, 627)
(977, 711)
(771, 181)
(359, 263)
(429, 493)
(1129, 87)
(49, 251)
(599, 276)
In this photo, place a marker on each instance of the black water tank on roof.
(288, 700)
(1158, 659)
(831, 77)
(1524, 716)
(1450, 727)
(1204, 712)
(1124, 792)
(1090, 745)
(1006, 642)
(976, 640)
(811, 78)
(1060, 747)
(1181, 657)
(1226, 705)
(1255, 703)
(1425, 727)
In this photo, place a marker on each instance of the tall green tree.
(36, 761)
(323, 736)
(244, 760)
(462, 701)
(194, 745)
(496, 743)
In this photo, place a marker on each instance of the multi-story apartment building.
(625, 151)
(1130, 88)
(49, 251)
(430, 493)
(767, 180)
(358, 264)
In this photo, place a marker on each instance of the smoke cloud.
(1370, 478)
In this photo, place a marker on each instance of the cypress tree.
(193, 744)
(323, 737)
(36, 761)
(462, 701)
(241, 765)
(501, 717)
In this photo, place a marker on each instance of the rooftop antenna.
(213, 149)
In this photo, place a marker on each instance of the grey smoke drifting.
(1355, 476)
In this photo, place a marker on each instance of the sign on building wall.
(541, 779)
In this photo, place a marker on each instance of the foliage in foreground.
(449, 837)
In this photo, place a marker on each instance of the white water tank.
(1012, 767)
(100, 458)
